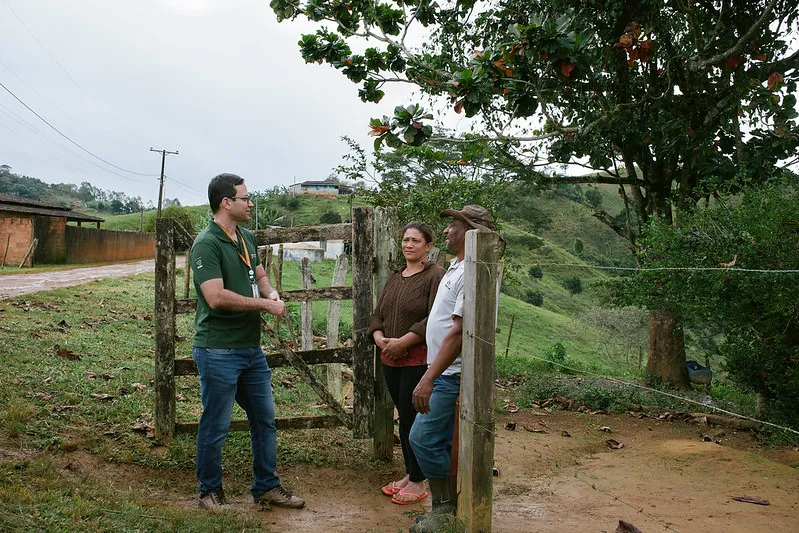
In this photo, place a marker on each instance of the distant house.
(322, 188)
(22, 221)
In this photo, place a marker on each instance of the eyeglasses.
(245, 198)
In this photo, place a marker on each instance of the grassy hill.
(563, 323)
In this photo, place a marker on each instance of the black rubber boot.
(444, 509)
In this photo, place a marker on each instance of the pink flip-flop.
(391, 489)
(416, 498)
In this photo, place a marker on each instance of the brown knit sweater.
(406, 302)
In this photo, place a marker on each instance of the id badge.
(255, 292)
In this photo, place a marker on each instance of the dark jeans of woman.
(401, 380)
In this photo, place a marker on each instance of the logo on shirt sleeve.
(199, 263)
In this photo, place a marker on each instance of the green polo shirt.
(214, 255)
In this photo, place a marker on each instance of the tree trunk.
(667, 349)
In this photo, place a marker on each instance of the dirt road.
(18, 284)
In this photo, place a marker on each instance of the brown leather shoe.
(214, 500)
(279, 497)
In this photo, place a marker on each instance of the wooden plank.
(187, 305)
(329, 232)
(305, 371)
(29, 253)
(164, 330)
(363, 365)
(187, 275)
(300, 422)
(476, 439)
(279, 284)
(333, 370)
(386, 255)
(186, 366)
(306, 307)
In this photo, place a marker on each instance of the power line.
(46, 50)
(654, 269)
(9, 91)
(191, 189)
(65, 113)
(33, 128)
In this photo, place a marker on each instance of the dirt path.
(665, 478)
(17, 284)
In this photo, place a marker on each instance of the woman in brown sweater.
(398, 328)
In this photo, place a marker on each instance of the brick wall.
(91, 245)
(17, 232)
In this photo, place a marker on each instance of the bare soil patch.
(664, 478)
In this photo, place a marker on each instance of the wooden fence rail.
(361, 355)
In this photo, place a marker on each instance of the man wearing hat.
(435, 395)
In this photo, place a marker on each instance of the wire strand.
(18, 99)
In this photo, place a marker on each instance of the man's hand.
(273, 295)
(394, 349)
(421, 395)
(276, 307)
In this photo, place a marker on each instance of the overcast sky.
(218, 80)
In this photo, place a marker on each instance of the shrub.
(578, 246)
(536, 272)
(180, 214)
(330, 217)
(593, 198)
(534, 298)
(573, 284)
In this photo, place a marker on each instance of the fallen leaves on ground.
(614, 444)
(59, 408)
(93, 375)
(66, 354)
(510, 426)
(101, 396)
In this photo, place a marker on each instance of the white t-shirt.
(448, 303)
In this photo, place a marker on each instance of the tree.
(593, 198)
(573, 284)
(423, 181)
(734, 290)
(175, 212)
(672, 101)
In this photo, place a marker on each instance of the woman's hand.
(395, 349)
(380, 340)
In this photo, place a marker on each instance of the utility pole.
(161, 187)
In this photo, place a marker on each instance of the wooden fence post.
(476, 439)
(363, 364)
(333, 370)
(386, 250)
(306, 307)
(279, 282)
(164, 330)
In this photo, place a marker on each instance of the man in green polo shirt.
(232, 290)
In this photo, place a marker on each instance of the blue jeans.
(431, 434)
(241, 374)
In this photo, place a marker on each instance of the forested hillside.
(84, 195)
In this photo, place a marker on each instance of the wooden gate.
(373, 251)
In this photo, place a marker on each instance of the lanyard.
(244, 258)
